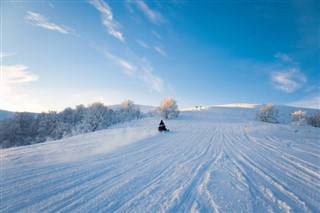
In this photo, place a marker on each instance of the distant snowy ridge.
(4, 114)
(143, 108)
(239, 105)
(248, 106)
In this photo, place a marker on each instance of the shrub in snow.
(299, 117)
(268, 113)
(168, 108)
(314, 119)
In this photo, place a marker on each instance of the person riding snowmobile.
(162, 127)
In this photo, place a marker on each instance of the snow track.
(217, 160)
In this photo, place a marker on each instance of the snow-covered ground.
(215, 160)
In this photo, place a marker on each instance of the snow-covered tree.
(268, 113)
(314, 119)
(97, 117)
(27, 128)
(67, 121)
(79, 113)
(299, 117)
(18, 130)
(168, 108)
(67, 115)
(129, 111)
(49, 126)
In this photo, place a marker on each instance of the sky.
(58, 54)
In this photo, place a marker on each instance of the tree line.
(25, 128)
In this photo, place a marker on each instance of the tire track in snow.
(294, 176)
(296, 172)
(184, 196)
(127, 182)
(253, 185)
(209, 163)
(276, 183)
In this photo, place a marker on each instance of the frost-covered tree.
(268, 113)
(49, 126)
(6, 133)
(79, 113)
(97, 117)
(67, 116)
(18, 130)
(67, 121)
(314, 119)
(129, 111)
(168, 108)
(299, 117)
(27, 128)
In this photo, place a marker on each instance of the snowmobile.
(162, 127)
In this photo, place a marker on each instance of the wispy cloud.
(153, 15)
(311, 102)
(283, 57)
(154, 82)
(5, 54)
(142, 70)
(51, 5)
(107, 18)
(142, 44)
(126, 66)
(160, 51)
(288, 80)
(40, 21)
(156, 34)
(17, 74)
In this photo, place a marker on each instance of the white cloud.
(284, 57)
(288, 80)
(143, 70)
(160, 51)
(51, 5)
(126, 66)
(156, 34)
(5, 54)
(313, 102)
(142, 44)
(145, 73)
(153, 16)
(154, 82)
(107, 18)
(17, 74)
(12, 98)
(40, 21)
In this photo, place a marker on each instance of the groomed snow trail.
(217, 160)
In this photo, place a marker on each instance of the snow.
(215, 160)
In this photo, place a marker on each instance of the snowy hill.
(215, 160)
(4, 114)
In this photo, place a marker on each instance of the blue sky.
(56, 54)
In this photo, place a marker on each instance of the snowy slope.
(214, 160)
